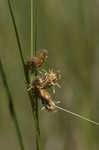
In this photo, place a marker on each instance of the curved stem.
(11, 107)
(16, 31)
(18, 40)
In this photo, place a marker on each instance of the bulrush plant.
(38, 80)
(38, 87)
(48, 80)
(43, 82)
(28, 77)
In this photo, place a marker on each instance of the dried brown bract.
(40, 85)
(43, 94)
(37, 61)
(48, 80)
(47, 102)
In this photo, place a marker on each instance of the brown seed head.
(46, 100)
(46, 81)
(49, 79)
(37, 61)
(42, 53)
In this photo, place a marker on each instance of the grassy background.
(70, 31)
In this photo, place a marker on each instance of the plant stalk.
(11, 107)
(18, 40)
(34, 32)
(33, 101)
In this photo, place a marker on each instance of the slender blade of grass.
(34, 32)
(11, 107)
(18, 40)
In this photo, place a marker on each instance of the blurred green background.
(69, 30)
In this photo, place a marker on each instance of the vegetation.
(69, 31)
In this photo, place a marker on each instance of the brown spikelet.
(37, 61)
(46, 81)
(46, 100)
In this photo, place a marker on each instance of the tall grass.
(28, 78)
(11, 106)
(34, 32)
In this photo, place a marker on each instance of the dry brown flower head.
(46, 81)
(37, 61)
(47, 102)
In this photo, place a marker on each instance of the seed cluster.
(44, 81)
(36, 62)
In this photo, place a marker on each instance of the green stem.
(34, 32)
(11, 107)
(35, 23)
(19, 47)
(18, 40)
(33, 101)
(31, 29)
(16, 32)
